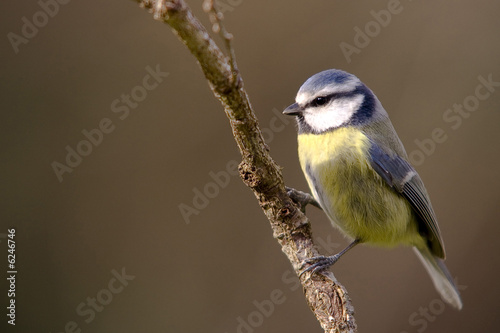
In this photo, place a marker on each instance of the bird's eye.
(318, 101)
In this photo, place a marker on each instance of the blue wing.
(403, 178)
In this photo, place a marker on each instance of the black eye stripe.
(318, 101)
(322, 100)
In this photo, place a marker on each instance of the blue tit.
(359, 174)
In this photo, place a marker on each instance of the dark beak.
(293, 110)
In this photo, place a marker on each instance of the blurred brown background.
(118, 211)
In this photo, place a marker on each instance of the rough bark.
(326, 297)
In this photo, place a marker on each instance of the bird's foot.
(319, 263)
(301, 198)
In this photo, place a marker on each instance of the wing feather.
(403, 178)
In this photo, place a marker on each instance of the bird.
(359, 174)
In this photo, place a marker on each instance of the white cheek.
(334, 114)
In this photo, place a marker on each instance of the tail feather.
(440, 277)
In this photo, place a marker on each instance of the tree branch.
(326, 297)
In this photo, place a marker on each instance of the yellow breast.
(355, 198)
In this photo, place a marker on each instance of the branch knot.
(250, 174)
